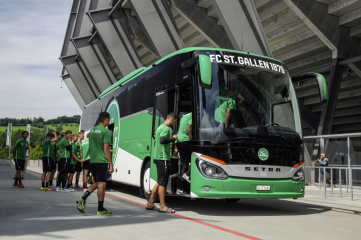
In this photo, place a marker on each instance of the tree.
(59, 128)
(40, 125)
(66, 124)
(61, 124)
(71, 125)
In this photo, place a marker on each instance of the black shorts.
(99, 171)
(71, 168)
(185, 151)
(86, 165)
(48, 164)
(19, 164)
(78, 167)
(163, 171)
(63, 164)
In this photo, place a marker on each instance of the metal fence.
(337, 147)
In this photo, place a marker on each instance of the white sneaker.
(85, 189)
(58, 189)
(186, 177)
(64, 190)
(71, 189)
(52, 187)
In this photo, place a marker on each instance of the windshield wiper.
(215, 142)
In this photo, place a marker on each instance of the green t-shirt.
(84, 147)
(21, 146)
(182, 132)
(78, 146)
(46, 146)
(98, 136)
(57, 154)
(73, 150)
(53, 149)
(221, 110)
(62, 147)
(162, 151)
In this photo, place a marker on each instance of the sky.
(32, 34)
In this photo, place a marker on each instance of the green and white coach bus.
(257, 152)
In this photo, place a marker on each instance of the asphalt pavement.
(29, 213)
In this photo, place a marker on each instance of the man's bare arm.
(109, 157)
(228, 114)
(189, 131)
(14, 150)
(76, 158)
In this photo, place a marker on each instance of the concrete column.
(240, 20)
(95, 62)
(81, 78)
(74, 91)
(155, 17)
(116, 39)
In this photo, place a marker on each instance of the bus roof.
(138, 71)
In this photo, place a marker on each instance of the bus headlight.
(299, 175)
(210, 171)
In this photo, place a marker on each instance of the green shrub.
(36, 153)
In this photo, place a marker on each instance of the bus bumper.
(237, 187)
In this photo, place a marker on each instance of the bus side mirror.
(204, 69)
(320, 81)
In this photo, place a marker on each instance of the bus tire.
(232, 199)
(146, 194)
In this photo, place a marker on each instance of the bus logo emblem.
(263, 154)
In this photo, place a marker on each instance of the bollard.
(340, 182)
(346, 180)
(319, 178)
(331, 181)
(324, 182)
(351, 185)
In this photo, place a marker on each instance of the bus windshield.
(249, 97)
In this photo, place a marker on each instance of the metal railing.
(348, 172)
(348, 169)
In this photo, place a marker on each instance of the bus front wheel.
(145, 183)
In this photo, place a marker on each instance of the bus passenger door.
(160, 111)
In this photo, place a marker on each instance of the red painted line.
(194, 220)
(217, 227)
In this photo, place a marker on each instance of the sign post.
(8, 137)
(46, 129)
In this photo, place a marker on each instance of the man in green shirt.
(73, 161)
(78, 165)
(84, 155)
(184, 148)
(101, 164)
(63, 165)
(19, 155)
(58, 160)
(54, 154)
(48, 163)
(223, 111)
(163, 139)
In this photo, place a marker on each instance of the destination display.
(246, 61)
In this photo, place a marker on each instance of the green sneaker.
(104, 212)
(80, 205)
(43, 188)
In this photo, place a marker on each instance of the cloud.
(32, 34)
